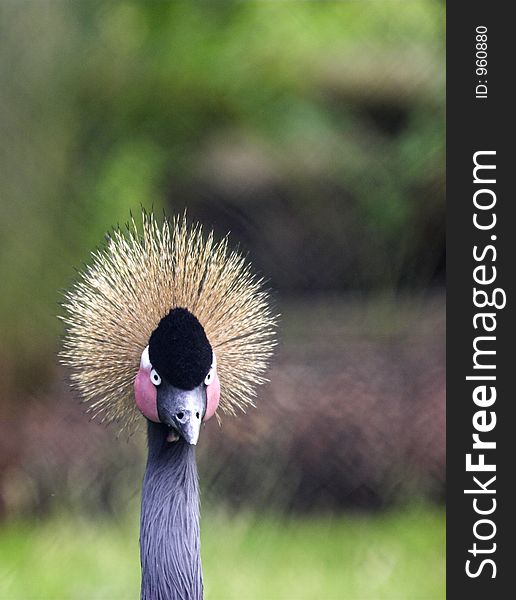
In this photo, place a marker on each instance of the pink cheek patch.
(213, 397)
(146, 394)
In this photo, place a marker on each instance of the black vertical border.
(472, 125)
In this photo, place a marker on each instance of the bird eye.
(154, 377)
(209, 378)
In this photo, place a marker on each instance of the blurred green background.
(314, 133)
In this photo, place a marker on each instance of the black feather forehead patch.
(179, 349)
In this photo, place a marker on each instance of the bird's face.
(177, 383)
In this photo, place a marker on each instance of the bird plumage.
(169, 523)
(167, 322)
(132, 283)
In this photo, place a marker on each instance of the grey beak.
(183, 410)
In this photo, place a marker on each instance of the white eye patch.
(154, 377)
(211, 373)
(209, 378)
(145, 362)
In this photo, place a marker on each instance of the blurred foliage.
(395, 556)
(313, 130)
(354, 415)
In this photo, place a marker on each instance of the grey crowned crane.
(169, 324)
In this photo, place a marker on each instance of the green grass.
(394, 556)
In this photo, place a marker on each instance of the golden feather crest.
(132, 282)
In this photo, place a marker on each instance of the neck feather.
(169, 524)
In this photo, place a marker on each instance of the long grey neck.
(169, 523)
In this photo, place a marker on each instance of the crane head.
(159, 308)
(177, 383)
